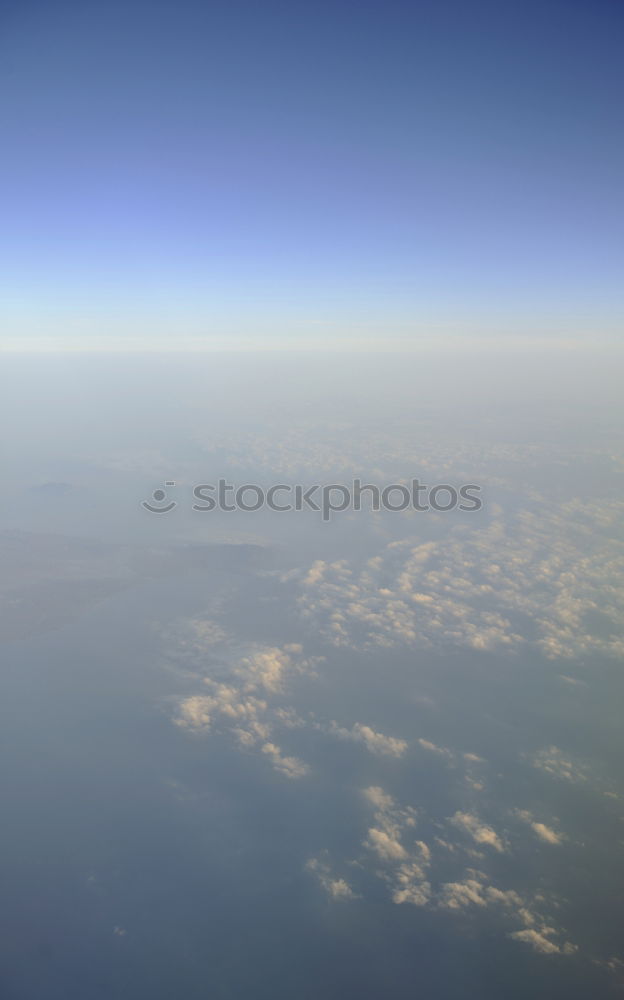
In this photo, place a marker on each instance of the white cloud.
(195, 712)
(291, 767)
(266, 668)
(456, 895)
(480, 832)
(541, 941)
(432, 748)
(555, 567)
(553, 762)
(391, 823)
(410, 880)
(545, 833)
(337, 889)
(244, 703)
(378, 798)
(374, 741)
(388, 847)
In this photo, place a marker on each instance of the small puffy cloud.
(432, 748)
(266, 668)
(387, 846)
(195, 712)
(374, 741)
(480, 832)
(472, 891)
(410, 880)
(254, 733)
(553, 761)
(315, 573)
(456, 895)
(467, 589)
(245, 703)
(289, 718)
(408, 864)
(613, 964)
(291, 767)
(378, 798)
(388, 817)
(508, 897)
(545, 833)
(540, 940)
(378, 743)
(338, 889)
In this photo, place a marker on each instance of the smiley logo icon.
(159, 498)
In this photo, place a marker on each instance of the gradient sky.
(309, 170)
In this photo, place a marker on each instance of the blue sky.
(311, 171)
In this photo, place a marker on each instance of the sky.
(245, 173)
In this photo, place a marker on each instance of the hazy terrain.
(254, 754)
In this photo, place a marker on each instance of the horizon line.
(233, 344)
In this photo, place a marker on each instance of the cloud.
(244, 703)
(247, 704)
(388, 847)
(456, 895)
(407, 876)
(374, 741)
(556, 567)
(552, 761)
(385, 837)
(291, 767)
(480, 832)
(411, 872)
(474, 891)
(195, 712)
(410, 879)
(378, 798)
(541, 941)
(315, 573)
(545, 833)
(432, 748)
(266, 668)
(338, 889)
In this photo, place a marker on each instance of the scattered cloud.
(244, 703)
(542, 941)
(545, 833)
(387, 846)
(558, 568)
(553, 761)
(290, 767)
(378, 798)
(432, 748)
(338, 889)
(480, 832)
(374, 741)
